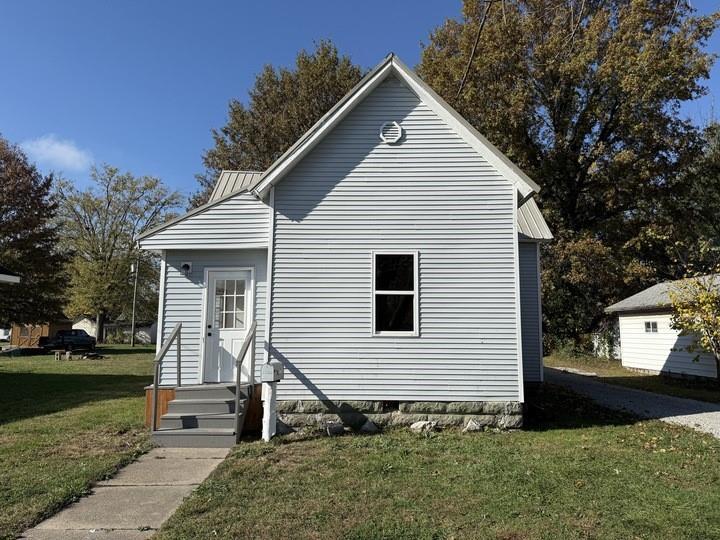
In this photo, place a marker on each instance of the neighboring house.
(6, 276)
(29, 335)
(87, 323)
(145, 331)
(648, 342)
(390, 260)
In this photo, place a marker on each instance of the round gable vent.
(390, 132)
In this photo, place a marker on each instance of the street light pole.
(134, 268)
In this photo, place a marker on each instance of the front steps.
(202, 416)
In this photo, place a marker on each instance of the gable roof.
(653, 298)
(230, 183)
(392, 65)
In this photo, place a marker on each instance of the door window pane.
(230, 303)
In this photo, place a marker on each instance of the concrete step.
(195, 438)
(209, 391)
(212, 421)
(202, 406)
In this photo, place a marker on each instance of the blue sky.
(139, 84)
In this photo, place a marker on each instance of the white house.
(647, 340)
(389, 259)
(145, 332)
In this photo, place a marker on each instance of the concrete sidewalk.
(698, 415)
(133, 504)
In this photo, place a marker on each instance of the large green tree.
(100, 225)
(28, 241)
(284, 103)
(585, 95)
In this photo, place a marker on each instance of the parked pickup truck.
(69, 340)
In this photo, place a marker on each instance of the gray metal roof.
(531, 223)
(653, 298)
(233, 181)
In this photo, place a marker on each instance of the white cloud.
(52, 152)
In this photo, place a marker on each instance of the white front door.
(227, 318)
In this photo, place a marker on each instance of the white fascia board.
(318, 132)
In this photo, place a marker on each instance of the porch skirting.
(353, 414)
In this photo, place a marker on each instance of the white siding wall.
(430, 193)
(661, 351)
(238, 222)
(184, 303)
(530, 312)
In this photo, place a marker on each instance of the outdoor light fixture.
(186, 268)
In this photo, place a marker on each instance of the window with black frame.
(395, 294)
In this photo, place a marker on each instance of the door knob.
(209, 334)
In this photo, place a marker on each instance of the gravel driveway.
(698, 415)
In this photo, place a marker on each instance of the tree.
(28, 241)
(585, 96)
(685, 232)
(284, 104)
(100, 225)
(696, 311)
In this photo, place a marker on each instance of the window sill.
(395, 334)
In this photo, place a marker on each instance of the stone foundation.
(354, 414)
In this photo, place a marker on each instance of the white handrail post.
(251, 373)
(179, 356)
(156, 369)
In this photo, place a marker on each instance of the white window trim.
(415, 292)
(651, 327)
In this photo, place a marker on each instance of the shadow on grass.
(549, 406)
(25, 395)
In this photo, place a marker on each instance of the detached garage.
(648, 342)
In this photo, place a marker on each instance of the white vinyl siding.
(664, 350)
(184, 302)
(239, 222)
(530, 312)
(430, 193)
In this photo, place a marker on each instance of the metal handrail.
(158, 359)
(249, 340)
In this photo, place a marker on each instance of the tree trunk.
(100, 327)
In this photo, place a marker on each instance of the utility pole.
(134, 269)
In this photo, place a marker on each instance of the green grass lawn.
(64, 425)
(610, 371)
(577, 471)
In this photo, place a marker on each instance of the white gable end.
(432, 193)
(237, 222)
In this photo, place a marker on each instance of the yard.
(610, 371)
(64, 425)
(578, 471)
